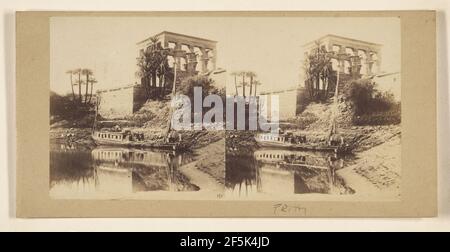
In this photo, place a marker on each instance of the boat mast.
(96, 113)
(335, 112)
(169, 122)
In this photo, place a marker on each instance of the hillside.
(375, 169)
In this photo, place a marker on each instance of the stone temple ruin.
(357, 59)
(351, 57)
(192, 55)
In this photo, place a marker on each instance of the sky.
(269, 46)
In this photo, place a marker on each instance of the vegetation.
(76, 108)
(302, 121)
(154, 70)
(303, 100)
(207, 85)
(188, 84)
(392, 116)
(371, 106)
(248, 79)
(79, 81)
(319, 82)
(63, 108)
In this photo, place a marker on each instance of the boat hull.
(304, 147)
(143, 144)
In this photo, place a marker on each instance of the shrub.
(372, 107)
(302, 121)
(139, 119)
(62, 107)
(187, 88)
(367, 99)
(188, 84)
(392, 116)
(303, 100)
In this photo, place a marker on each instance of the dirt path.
(377, 171)
(208, 169)
(201, 179)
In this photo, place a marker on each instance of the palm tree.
(79, 83)
(92, 81)
(163, 70)
(87, 72)
(243, 84)
(235, 74)
(70, 72)
(318, 68)
(326, 76)
(256, 83)
(252, 75)
(153, 64)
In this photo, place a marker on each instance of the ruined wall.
(287, 100)
(120, 102)
(139, 97)
(390, 82)
(219, 78)
(303, 100)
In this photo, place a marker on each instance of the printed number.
(227, 242)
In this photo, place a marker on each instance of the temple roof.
(176, 34)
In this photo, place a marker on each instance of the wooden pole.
(235, 85)
(336, 92)
(169, 123)
(94, 126)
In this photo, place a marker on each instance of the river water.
(279, 172)
(78, 172)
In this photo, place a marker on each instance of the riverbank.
(375, 169)
(191, 139)
(208, 168)
(376, 172)
(81, 136)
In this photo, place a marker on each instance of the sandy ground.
(377, 171)
(201, 179)
(208, 169)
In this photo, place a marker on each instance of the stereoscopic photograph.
(225, 108)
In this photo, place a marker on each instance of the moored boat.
(129, 139)
(290, 141)
(273, 140)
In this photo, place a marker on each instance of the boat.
(290, 141)
(127, 138)
(274, 140)
(292, 159)
(116, 136)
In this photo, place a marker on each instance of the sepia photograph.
(229, 108)
(200, 118)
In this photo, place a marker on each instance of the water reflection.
(283, 172)
(115, 170)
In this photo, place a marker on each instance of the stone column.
(329, 47)
(341, 61)
(165, 43)
(368, 62)
(176, 56)
(191, 62)
(214, 58)
(204, 60)
(355, 64)
(378, 62)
